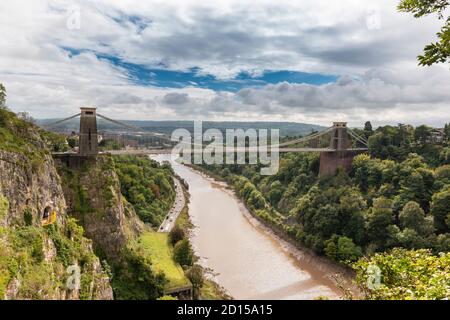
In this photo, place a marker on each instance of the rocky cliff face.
(30, 187)
(40, 262)
(92, 191)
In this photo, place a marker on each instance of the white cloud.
(379, 79)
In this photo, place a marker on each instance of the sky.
(310, 61)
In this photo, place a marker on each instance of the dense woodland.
(396, 196)
(147, 186)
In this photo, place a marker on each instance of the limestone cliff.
(35, 260)
(93, 195)
(92, 191)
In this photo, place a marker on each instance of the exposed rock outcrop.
(93, 195)
(30, 186)
(35, 259)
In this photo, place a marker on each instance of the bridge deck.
(168, 151)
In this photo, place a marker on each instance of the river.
(250, 263)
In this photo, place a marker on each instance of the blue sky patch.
(159, 76)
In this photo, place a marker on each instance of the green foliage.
(28, 217)
(134, 278)
(70, 244)
(4, 206)
(368, 130)
(2, 95)
(167, 298)
(422, 133)
(437, 52)
(72, 142)
(156, 247)
(17, 135)
(379, 218)
(110, 144)
(183, 253)
(440, 209)
(22, 257)
(397, 142)
(442, 174)
(22, 136)
(328, 211)
(390, 142)
(55, 142)
(342, 249)
(176, 234)
(147, 185)
(405, 275)
(196, 277)
(413, 217)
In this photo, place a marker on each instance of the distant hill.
(167, 127)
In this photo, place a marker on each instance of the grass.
(183, 220)
(156, 245)
(212, 291)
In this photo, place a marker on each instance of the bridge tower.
(339, 156)
(339, 137)
(88, 144)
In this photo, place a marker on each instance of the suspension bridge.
(337, 144)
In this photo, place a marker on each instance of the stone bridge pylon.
(341, 153)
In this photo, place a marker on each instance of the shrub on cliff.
(404, 275)
(183, 253)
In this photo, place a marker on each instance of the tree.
(413, 217)
(404, 275)
(447, 131)
(379, 218)
(440, 209)
(342, 249)
(368, 130)
(2, 96)
(409, 238)
(275, 193)
(442, 176)
(183, 253)
(176, 234)
(444, 156)
(195, 275)
(72, 141)
(422, 133)
(438, 52)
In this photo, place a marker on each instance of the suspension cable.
(357, 137)
(61, 121)
(307, 138)
(120, 123)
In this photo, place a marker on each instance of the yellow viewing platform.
(50, 219)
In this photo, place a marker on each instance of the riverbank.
(342, 277)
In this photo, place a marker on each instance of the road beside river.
(176, 209)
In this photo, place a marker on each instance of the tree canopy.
(435, 52)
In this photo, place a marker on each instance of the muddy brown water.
(249, 262)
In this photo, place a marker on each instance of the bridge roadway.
(168, 151)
